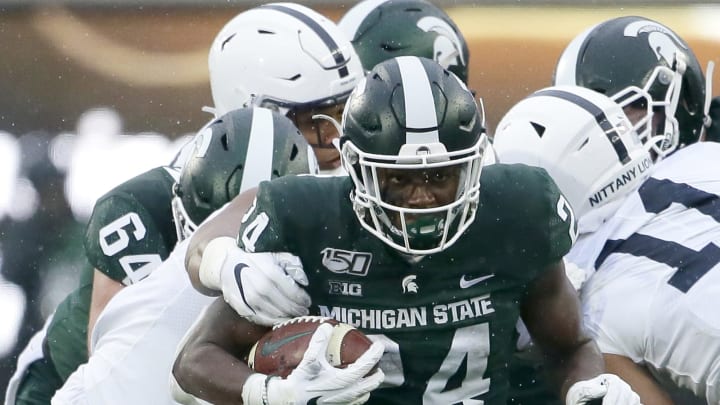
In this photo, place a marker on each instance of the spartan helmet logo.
(409, 285)
(662, 41)
(447, 48)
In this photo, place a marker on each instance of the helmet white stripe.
(259, 156)
(566, 69)
(350, 22)
(420, 118)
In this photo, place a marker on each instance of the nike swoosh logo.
(313, 401)
(238, 269)
(269, 347)
(465, 283)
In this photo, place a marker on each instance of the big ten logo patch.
(345, 288)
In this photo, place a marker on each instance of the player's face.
(636, 111)
(418, 188)
(320, 133)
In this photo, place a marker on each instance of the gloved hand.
(713, 130)
(315, 379)
(609, 387)
(265, 288)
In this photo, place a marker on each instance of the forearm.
(210, 363)
(224, 223)
(196, 373)
(104, 288)
(639, 378)
(584, 363)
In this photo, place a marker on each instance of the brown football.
(280, 350)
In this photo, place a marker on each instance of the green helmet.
(408, 114)
(631, 54)
(233, 153)
(384, 29)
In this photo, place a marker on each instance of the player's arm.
(264, 287)
(225, 224)
(639, 379)
(103, 289)
(212, 366)
(551, 312)
(123, 242)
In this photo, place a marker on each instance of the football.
(280, 350)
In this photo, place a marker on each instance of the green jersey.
(131, 230)
(446, 320)
(130, 233)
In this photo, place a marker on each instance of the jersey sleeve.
(261, 229)
(526, 207)
(123, 240)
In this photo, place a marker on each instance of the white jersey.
(654, 295)
(133, 344)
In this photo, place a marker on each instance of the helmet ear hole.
(293, 152)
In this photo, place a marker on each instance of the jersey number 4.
(470, 349)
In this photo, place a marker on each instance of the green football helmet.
(624, 56)
(384, 29)
(410, 113)
(233, 153)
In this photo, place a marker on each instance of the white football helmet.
(582, 138)
(282, 56)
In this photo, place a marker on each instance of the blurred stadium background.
(93, 92)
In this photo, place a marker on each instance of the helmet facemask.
(417, 231)
(184, 226)
(661, 92)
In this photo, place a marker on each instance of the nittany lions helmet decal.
(384, 29)
(582, 138)
(233, 153)
(281, 56)
(627, 52)
(408, 114)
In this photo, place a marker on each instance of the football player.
(648, 233)
(416, 248)
(287, 57)
(234, 153)
(128, 235)
(384, 29)
(621, 54)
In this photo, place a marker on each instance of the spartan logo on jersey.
(409, 285)
(447, 48)
(345, 288)
(346, 261)
(664, 43)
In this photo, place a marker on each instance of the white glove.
(576, 274)
(315, 379)
(265, 288)
(609, 387)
